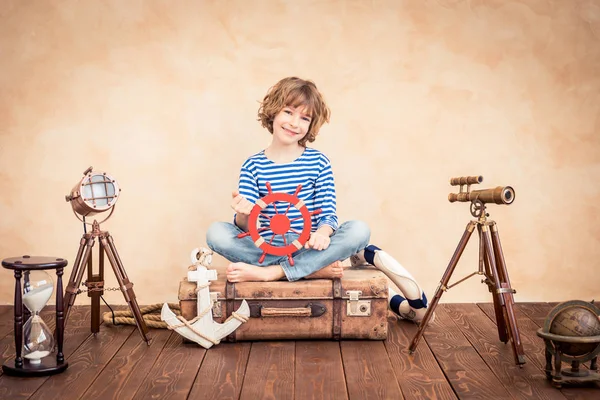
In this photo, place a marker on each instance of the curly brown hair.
(295, 92)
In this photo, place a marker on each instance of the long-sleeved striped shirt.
(312, 170)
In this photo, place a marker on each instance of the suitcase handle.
(257, 310)
(285, 312)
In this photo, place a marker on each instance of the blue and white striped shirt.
(312, 170)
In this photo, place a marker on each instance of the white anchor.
(203, 329)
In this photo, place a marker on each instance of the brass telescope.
(497, 195)
(492, 265)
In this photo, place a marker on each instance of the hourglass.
(38, 341)
(34, 341)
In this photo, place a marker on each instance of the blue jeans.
(350, 238)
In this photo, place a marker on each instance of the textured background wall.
(163, 96)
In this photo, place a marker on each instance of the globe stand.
(95, 282)
(573, 349)
(496, 277)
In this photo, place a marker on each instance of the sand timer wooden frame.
(49, 365)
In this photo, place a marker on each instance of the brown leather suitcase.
(353, 307)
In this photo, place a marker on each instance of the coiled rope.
(150, 314)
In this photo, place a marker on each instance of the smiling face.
(291, 124)
(288, 96)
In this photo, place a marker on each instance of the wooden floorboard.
(222, 372)
(522, 382)
(418, 375)
(85, 364)
(319, 371)
(173, 372)
(270, 371)
(126, 371)
(459, 357)
(464, 368)
(369, 373)
(6, 321)
(532, 344)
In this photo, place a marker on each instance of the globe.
(576, 319)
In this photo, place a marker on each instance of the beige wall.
(163, 96)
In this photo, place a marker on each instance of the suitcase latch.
(216, 305)
(356, 307)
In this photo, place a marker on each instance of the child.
(292, 111)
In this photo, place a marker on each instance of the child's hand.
(240, 204)
(318, 241)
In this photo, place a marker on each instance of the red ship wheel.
(279, 224)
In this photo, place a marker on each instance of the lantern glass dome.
(96, 192)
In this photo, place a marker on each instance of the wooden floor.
(460, 357)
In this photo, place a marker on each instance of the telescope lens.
(508, 195)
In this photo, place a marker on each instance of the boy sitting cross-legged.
(293, 111)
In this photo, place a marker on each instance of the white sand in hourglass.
(35, 300)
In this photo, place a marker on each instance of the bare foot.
(242, 272)
(333, 270)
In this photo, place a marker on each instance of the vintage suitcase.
(353, 307)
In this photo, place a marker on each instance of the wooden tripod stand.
(95, 282)
(496, 277)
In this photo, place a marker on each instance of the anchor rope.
(238, 317)
(188, 324)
